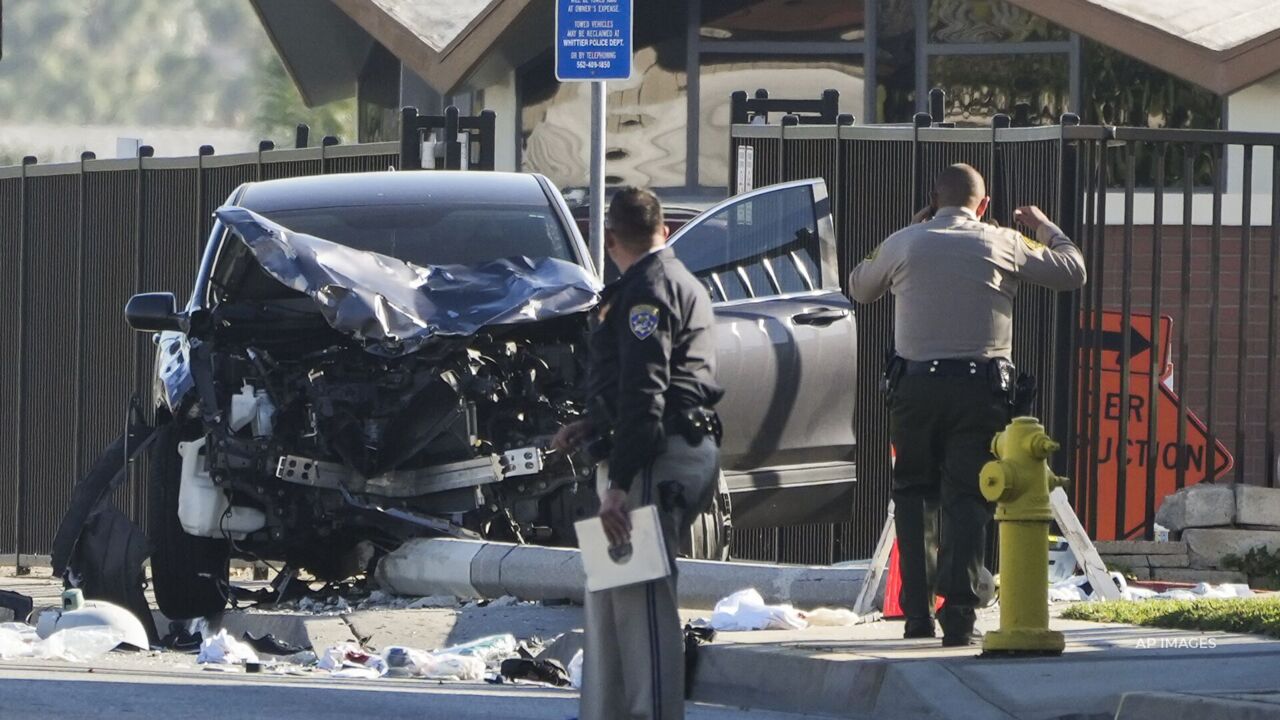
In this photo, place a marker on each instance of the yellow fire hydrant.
(1020, 482)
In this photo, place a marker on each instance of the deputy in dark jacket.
(651, 386)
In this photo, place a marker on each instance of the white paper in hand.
(641, 560)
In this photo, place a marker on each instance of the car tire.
(710, 536)
(188, 574)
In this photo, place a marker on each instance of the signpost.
(593, 44)
(1194, 456)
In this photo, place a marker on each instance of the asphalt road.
(37, 689)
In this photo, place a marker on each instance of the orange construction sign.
(1193, 457)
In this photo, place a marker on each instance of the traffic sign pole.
(598, 108)
(593, 44)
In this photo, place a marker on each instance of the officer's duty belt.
(950, 367)
(694, 424)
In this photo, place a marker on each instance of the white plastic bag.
(78, 644)
(448, 666)
(831, 617)
(12, 645)
(222, 649)
(746, 610)
(491, 650)
(575, 671)
(350, 660)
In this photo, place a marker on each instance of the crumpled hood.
(395, 307)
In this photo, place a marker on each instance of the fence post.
(452, 148)
(19, 434)
(488, 138)
(301, 136)
(327, 141)
(937, 104)
(920, 120)
(410, 140)
(81, 242)
(263, 146)
(202, 204)
(1064, 386)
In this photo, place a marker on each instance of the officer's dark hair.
(635, 217)
(959, 185)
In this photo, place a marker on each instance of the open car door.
(785, 337)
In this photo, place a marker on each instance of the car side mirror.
(153, 312)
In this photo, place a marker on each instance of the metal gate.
(1225, 334)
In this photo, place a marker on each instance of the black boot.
(916, 628)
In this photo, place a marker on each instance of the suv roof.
(393, 188)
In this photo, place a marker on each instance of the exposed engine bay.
(312, 440)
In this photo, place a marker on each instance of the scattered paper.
(222, 649)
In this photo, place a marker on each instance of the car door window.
(762, 245)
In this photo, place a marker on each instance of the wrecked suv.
(373, 357)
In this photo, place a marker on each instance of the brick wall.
(1193, 380)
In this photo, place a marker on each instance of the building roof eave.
(1221, 71)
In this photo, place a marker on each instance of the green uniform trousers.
(941, 429)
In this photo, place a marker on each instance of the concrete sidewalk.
(867, 671)
(870, 671)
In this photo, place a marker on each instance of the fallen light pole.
(469, 568)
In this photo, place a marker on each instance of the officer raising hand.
(651, 384)
(950, 385)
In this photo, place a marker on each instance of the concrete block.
(1139, 547)
(1169, 561)
(1190, 575)
(1141, 573)
(1198, 506)
(1207, 547)
(1257, 506)
(1127, 561)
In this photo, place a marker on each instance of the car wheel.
(188, 573)
(709, 538)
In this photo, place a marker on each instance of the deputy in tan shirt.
(954, 279)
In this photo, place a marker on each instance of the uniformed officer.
(652, 386)
(954, 278)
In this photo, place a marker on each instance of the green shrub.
(1245, 615)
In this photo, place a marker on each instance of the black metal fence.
(1219, 287)
(79, 240)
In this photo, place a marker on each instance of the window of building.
(783, 20)
(980, 86)
(987, 21)
(1119, 90)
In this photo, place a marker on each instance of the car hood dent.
(395, 307)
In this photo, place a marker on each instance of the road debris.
(222, 649)
(746, 610)
(1077, 589)
(75, 644)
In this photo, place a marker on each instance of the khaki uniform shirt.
(955, 277)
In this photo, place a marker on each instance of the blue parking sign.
(593, 39)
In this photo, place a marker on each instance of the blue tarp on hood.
(393, 306)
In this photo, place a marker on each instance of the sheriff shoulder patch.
(643, 320)
(1033, 244)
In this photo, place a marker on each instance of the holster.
(894, 367)
(695, 424)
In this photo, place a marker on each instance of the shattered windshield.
(466, 234)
